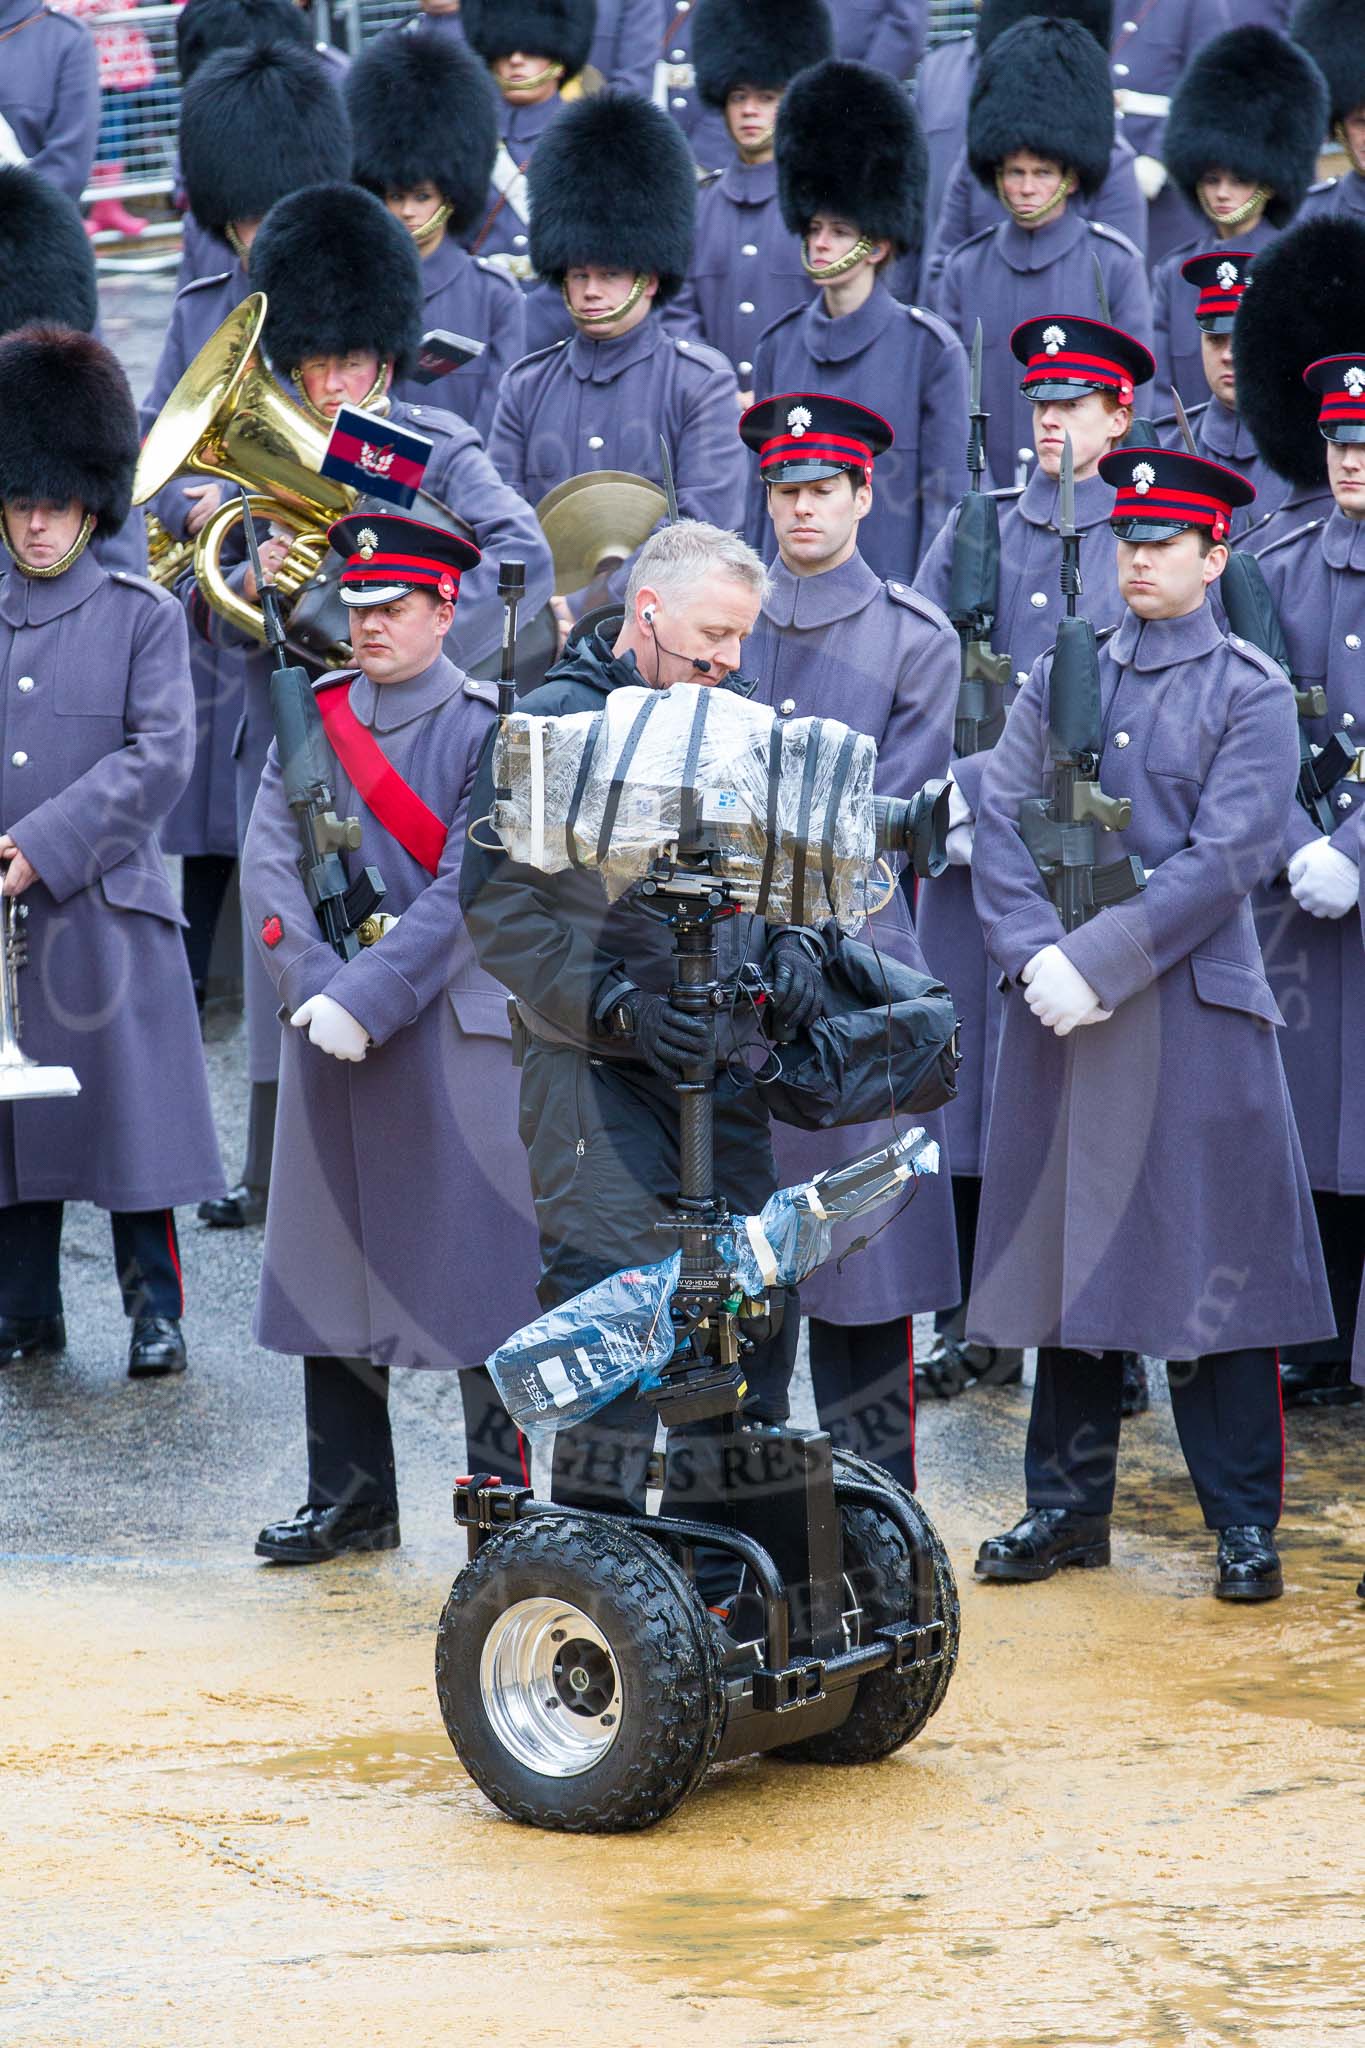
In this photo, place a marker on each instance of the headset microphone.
(703, 668)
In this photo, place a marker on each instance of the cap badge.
(1354, 380)
(1227, 275)
(1054, 338)
(798, 419)
(367, 540)
(1144, 476)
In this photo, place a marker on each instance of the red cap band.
(1070, 366)
(412, 569)
(814, 446)
(1143, 499)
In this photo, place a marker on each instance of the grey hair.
(676, 558)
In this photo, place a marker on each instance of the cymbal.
(594, 521)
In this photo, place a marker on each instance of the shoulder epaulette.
(201, 284)
(487, 693)
(1323, 185)
(915, 601)
(1108, 234)
(539, 355)
(334, 675)
(1006, 491)
(701, 352)
(706, 178)
(1192, 412)
(1287, 539)
(492, 269)
(1257, 656)
(970, 241)
(935, 322)
(142, 583)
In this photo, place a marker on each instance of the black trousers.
(350, 1440)
(966, 1211)
(863, 1375)
(203, 885)
(1341, 1225)
(1227, 1414)
(146, 1258)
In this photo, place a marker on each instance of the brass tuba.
(21, 1079)
(228, 419)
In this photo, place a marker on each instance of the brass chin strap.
(627, 305)
(1230, 222)
(840, 267)
(751, 152)
(514, 90)
(73, 553)
(376, 399)
(237, 245)
(431, 228)
(1034, 217)
(1339, 130)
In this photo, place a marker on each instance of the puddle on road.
(399, 1760)
(732, 1943)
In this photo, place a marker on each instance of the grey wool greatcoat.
(882, 659)
(1144, 1188)
(1029, 605)
(1315, 964)
(745, 270)
(967, 208)
(903, 363)
(1175, 331)
(49, 92)
(96, 733)
(399, 1226)
(468, 295)
(1223, 436)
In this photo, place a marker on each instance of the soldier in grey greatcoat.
(1333, 33)
(1144, 1186)
(96, 738)
(49, 94)
(835, 641)
(398, 1231)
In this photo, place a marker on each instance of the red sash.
(377, 782)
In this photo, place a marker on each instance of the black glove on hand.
(797, 983)
(669, 1039)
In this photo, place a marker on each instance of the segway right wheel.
(579, 1676)
(889, 1708)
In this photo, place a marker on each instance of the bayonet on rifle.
(670, 488)
(974, 592)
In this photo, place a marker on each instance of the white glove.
(1059, 994)
(961, 823)
(1322, 881)
(1151, 175)
(332, 1029)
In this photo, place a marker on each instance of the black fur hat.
(256, 124)
(757, 42)
(1253, 103)
(47, 271)
(849, 142)
(1306, 299)
(613, 182)
(424, 108)
(998, 15)
(339, 273)
(68, 425)
(204, 27)
(1333, 33)
(561, 30)
(1044, 86)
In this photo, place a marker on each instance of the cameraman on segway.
(603, 1045)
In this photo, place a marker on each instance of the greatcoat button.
(1120, 71)
(745, 369)
(747, 306)
(19, 760)
(594, 440)
(1121, 739)
(749, 249)
(787, 706)
(1343, 801)
(679, 101)
(25, 683)
(1038, 598)
(1353, 641)
(1347, 717)
(679, 57)
(518, 241)
(1129, 28)
(1021, 675)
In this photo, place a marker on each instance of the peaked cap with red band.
(802, 435)
(1161, 492)
(386, 556)
(1220, 279)
(1066, 357)
(1340, 383)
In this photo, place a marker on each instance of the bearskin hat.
(998, 15)
(1333, 33)
(1252, 103)
(613, 182)
(757, 42)
(1306, 300)
(1043, 86)
(256, 124)
(47, 271)
(339, 273)
(204, 27)
(424, 108)
(561, 30)
(849, 142)
(68, 425)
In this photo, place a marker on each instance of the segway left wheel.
(579, 1676)
(890, 1708)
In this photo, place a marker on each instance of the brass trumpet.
(21, 1079)
(228, 419)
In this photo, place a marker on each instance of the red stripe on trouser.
(173, 1248)
(521, 1453)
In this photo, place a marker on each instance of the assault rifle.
(974, 593)
(1061, 831)
(306, 766)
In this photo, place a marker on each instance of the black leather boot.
(236, 1210)
(319, 1531)
(1136, 1399)
(1327, 1385)
(244, 1205)
(1042, 1542)
(157, 1348)
(24, 1337)
(1248, 1564)
(954, 1365)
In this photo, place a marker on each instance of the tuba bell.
(228, 419)
(21, 1079)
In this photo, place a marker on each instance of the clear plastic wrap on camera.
(570, 1362)
(784, 806)
(794, 1232)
